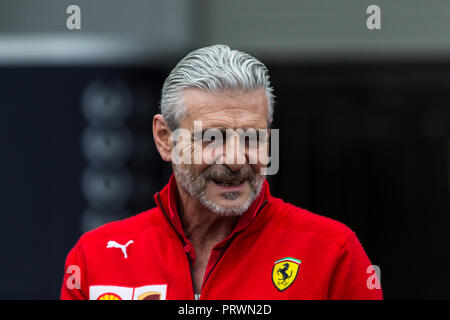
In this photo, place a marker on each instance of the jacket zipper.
(197, 295)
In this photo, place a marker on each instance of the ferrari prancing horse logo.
(284, 272)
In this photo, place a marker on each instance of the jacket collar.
(167, 201)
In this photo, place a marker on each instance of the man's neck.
(201, 226)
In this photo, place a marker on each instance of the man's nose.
(235, 157)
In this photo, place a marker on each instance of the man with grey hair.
(217, 232)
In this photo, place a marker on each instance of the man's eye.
(206, 142)
(250, 141)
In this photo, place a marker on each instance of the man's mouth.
(225, 183)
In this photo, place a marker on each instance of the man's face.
(225, 181)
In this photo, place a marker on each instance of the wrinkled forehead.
(234, 109)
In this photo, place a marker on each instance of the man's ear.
(161, 135)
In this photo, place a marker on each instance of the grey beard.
(197, 190)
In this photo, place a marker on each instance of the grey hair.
(213, 68)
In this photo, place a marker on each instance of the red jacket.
(276, 251)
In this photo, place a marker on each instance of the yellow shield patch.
(284, 272)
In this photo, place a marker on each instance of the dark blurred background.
(363, 117)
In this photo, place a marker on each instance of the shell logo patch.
(109, 296)
(284, 272)
(149, 292)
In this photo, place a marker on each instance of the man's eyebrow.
(224, 129)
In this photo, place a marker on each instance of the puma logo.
(123, 247)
